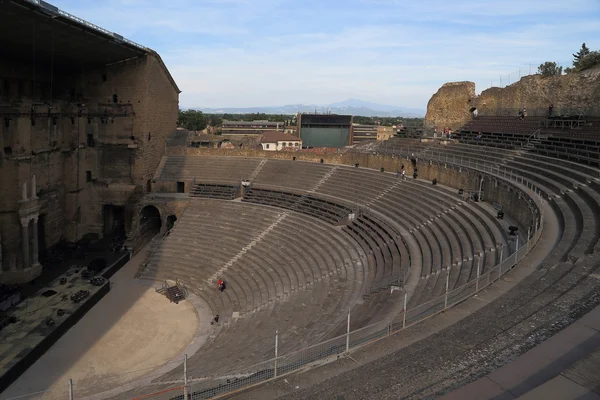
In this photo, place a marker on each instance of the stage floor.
(131, 332)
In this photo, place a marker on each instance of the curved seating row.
(214, 191)
(299, 175)
(547, 300)
(318, 208)
(211, 234)
(448, 231)
(288, 270)
(207, 169)
(573, 191)
(445, 234)
(272, 280)
(344, 182)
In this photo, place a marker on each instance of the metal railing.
(535, 112)
(335, 348)
(493, 169)
(215, 386)
(534, 135)
(81, 21)
(332, 349)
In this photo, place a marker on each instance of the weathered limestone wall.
(449, 107)
(453, 103)
(118, 136)
(568, 93)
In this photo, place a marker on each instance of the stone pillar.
(24, 192)
(25, 232)
(34, 253)
(33, 187)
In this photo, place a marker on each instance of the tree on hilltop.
(549, 68)
(584, 59)
(580, 55)
(590, 60)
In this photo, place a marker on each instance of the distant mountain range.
(350, 106)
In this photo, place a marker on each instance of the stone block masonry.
(90, 137)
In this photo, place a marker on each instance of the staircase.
(257, 169)
(533, 141)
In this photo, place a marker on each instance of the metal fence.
(209, 387)
(196, 388)
(52, 10)
(539, 112)
(338, 347)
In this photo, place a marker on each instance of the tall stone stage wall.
(73, 141)
(451, 106)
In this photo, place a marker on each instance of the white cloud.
(264, 52)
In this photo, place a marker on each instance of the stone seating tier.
(214, 191)
(318, 208)
(260, 249)
(574, 193)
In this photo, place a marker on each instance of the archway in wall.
(171, 219)
(114, 221)
(150, 222)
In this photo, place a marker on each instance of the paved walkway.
(564, 367)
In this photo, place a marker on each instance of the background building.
(256, 127)
(325, 130)
(84, 116)
(275, 141)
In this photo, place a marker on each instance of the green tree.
(583, 59)
(580, 55)
(215, 120)
(549, 68)
(192, 120)
(588, 61)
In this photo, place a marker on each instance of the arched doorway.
(150, 222)
(171, 219)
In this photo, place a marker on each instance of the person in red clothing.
(221, 285)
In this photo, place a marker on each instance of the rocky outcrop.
(454, 102)
(449, 107)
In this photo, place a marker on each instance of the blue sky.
(241, 53)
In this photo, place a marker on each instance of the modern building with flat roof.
(325, 130)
